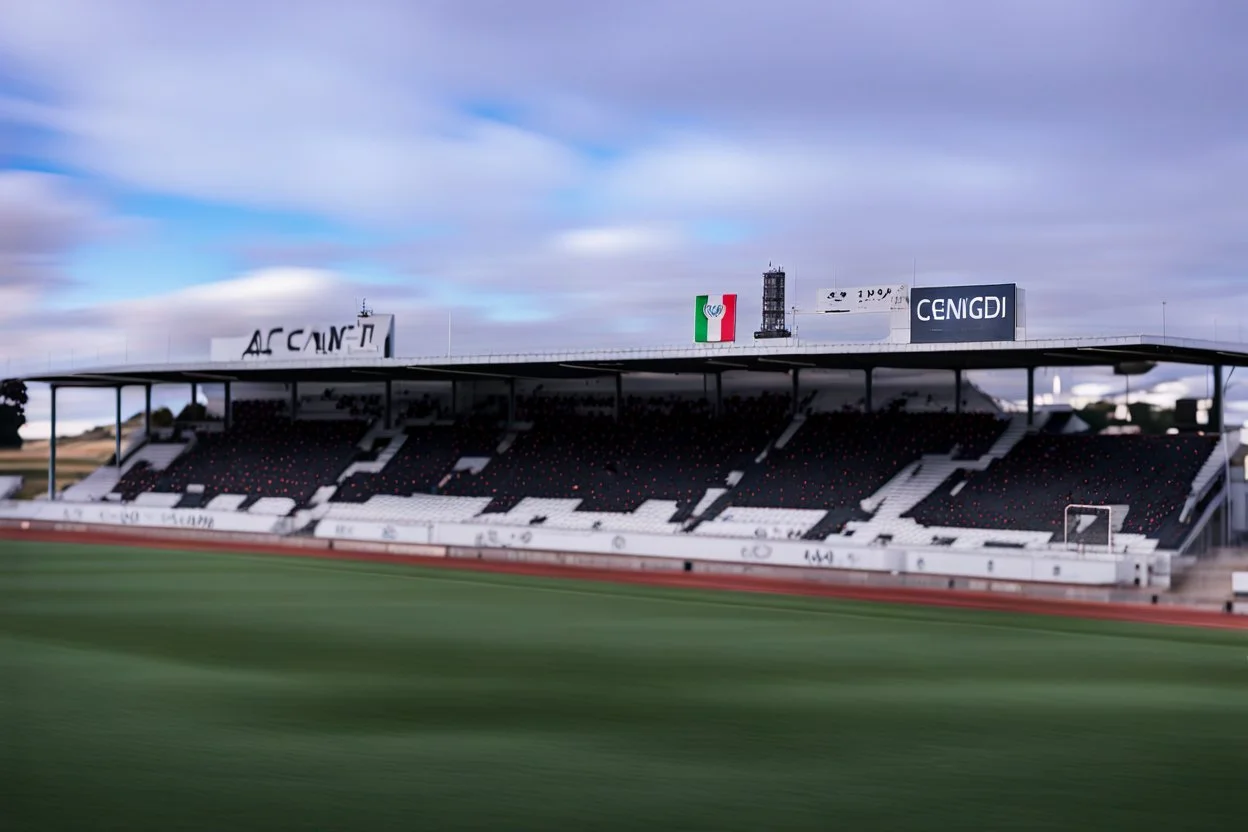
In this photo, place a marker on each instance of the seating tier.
(1031, 487)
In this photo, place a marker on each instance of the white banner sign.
(862, 299)
(122, 514)
(371, 335)
(330, 529)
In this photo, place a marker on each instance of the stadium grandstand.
(874, 458)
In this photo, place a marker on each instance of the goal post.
(1077, 513)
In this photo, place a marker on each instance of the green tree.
(193, 412)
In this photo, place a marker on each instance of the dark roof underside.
(1092, 352)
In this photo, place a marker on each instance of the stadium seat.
(263, 454)
(1030, 487)
(836, 460)
(668, 449)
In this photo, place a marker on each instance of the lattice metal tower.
(773, 305)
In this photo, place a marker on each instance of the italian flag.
(715, 318)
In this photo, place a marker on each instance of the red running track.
(994, 601)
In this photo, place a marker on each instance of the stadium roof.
(763, 357)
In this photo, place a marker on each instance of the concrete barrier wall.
(568, 559)
(1012, 567)
(991, 566)
(131, 516)
(257, 539)
(409, 549)
(372, 532)
(676, 547)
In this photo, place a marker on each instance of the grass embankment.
(76, 457)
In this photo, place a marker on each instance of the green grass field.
(161, 690)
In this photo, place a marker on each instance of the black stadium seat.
(1031, 487)
(426, 458)
(674, 448)
(660, 449)
(264, 453)
(837, 460)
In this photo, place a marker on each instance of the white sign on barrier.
(770, 553)
(372, 532)
(113, 514)
(799, 553)
(1239, 583)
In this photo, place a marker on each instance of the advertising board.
(111, 514)
(862, 299)
(367, 335)
(963, 314)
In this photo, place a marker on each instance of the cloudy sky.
(556, 173)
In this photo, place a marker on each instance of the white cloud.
(17, 302)
(853, 141)
(265, 292)
(776, 174)
(41, 215)
(614, 242)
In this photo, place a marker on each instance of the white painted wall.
(1005, 566)
(112, 514)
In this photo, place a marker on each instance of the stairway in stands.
(9, 487)
(99, 483)
(718, 500)
(397, 438)
(916, 482)
(1207, 580)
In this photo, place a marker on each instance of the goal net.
(1090, 528)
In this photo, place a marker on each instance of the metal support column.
(719, 393)
(147, 410)
(229, 406)
(869, 399)
(511, 402)
(957, 391)
(1031, 396)
(52, 449)
(619, 394)
(388, 420)
(454, 399)
(117, 432)
(1215, 415)
(294, 400)
(797, 389)
(194, 394)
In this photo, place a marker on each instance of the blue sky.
(573, 175)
